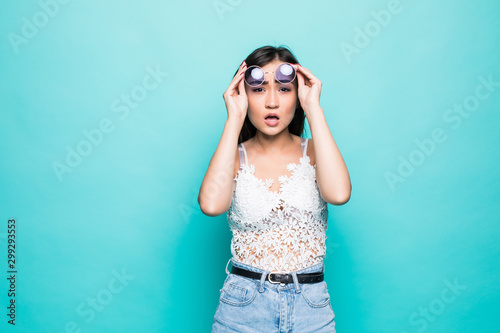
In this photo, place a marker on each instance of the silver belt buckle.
(269, 278)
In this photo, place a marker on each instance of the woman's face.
(271, 97)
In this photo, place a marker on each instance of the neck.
(272, 143)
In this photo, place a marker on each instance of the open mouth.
(272, 117)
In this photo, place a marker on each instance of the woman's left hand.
(309, 87)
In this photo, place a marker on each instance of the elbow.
(211, 210)
(340, 198)
(213, 204)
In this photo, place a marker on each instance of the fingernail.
(242, 73)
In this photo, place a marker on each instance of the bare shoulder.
(310, 151)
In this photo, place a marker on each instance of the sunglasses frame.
(278, 67)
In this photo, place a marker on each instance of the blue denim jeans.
(249, 305)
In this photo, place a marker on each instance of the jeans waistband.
(319, 267)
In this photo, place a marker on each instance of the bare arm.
(331, 172)
(217, 187)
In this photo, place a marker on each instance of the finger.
(300, 79)
(241, 87)
(304, 80)
(308, 74)
(237, 78)
(240, 72)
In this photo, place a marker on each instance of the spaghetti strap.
(243, 152)
(304, 146)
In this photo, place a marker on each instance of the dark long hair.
(261, 57)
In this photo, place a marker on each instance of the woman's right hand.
(235, 95)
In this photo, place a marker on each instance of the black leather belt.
(280, 278)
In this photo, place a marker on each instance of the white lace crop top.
(280, 231)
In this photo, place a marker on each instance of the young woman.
(275, 186)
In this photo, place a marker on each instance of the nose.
(272, 99)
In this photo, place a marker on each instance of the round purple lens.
(285, 73)
(254, 76)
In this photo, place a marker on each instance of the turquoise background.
(129, 207)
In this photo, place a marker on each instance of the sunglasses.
(284, 73)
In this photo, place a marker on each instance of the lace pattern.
(280, 231)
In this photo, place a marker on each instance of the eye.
(285, 89)
(257, 89)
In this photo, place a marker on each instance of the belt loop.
(262, 279)
(227, 272)
(296, 281)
